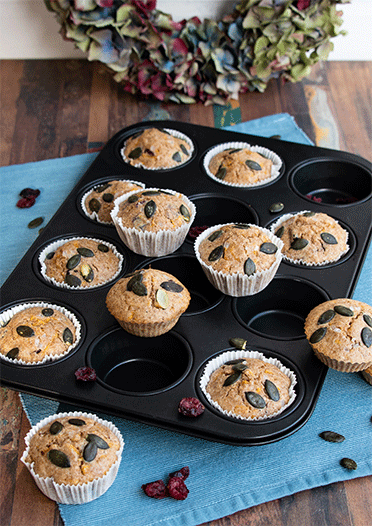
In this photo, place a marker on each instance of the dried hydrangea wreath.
(193, 60)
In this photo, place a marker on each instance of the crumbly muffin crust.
(36, 333)
(240, 166)
(156, 149)
(100, 200)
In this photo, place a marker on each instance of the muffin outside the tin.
(34, 333)
(247, 385)
(311, 238)
(367, 375)
(80, 263)
(157, 149)
(340, 334)
(98, 202)
(73, 457)
(153, 222)
(148, 302)
(239, 259)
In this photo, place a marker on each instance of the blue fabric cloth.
(223, 479)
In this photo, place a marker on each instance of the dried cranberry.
(156, 490)
(190, 407)
(86, 374)
(177, 488)
(26, 202)
(195, 231)
(183, 473)
(29, 192)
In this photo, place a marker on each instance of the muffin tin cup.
(240, 284)
(8, 314)
(152, 244)
(265, 152)
(219, 360)
(68, 493)
(94, 215)
(56, 244)
(174, 133)
(340, 365)
(274, 227)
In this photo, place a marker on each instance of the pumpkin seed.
(50, 255)
(177, 157)
(13, 353)
(55, 428)
(138, 276)
(150, 209)
(230, 380)
(77, 422)
(185, 213)
(162, 299)
(327, 316)
(68, 336)
(103, 248)
(238, 343)
(47, 312)
(276, 207)
(268, 248)
(280, 231)
(59, 458)
(133, 198)
(343, 311)
(348, 463)
(299, 243)
(35, 222)
(368, 319)
(108, 198)
(275, 137)
(239, 367)
(94, 205)
(171, 286)
(72, 280)
(318, 335)
(255, 399)
(216, 253)
(249, 267)
(215, 235)
(331, 436)
(73, 261)
(134, 154)
(87, 272)
(366, 336)
(272, 390)
(184, 149)
(235, 150)
(309, 214)
(90, 451)
(151, 192)
(253, 165)
(242, 226)
(85, 252)
(234, 362)
(25, 331)
(139, 289)
(221, 173)
(328, 238)
(101, 444)
(102, 188)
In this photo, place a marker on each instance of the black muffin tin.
(145, 378)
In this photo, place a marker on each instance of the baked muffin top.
(147, 296)
(73, 450)
(100, 200)
(156, 149)
(241, 248)
(341, 329)
(154, 210)
(35, 333)
(240, 166)
(312, 238)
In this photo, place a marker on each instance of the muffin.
(247, 385)
(73, 457)
(148, 302)
(240, 164)
(340, 334)
(367, 375)
(99, 201)
(153, 222)
(157, 149)
(80, 263)
(311, 238)
(238, 259)
(36, 333)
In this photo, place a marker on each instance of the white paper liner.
(56, 244)
(153, 244)
(176, 134)
(94, 215)
(238, 284)
(219, 360)
(272, 156)
(284, 218)
(79, 493)
(9, 313)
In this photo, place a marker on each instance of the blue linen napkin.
(223, 479)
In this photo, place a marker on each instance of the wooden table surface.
(58, 108)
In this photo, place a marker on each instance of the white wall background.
(28, 30)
